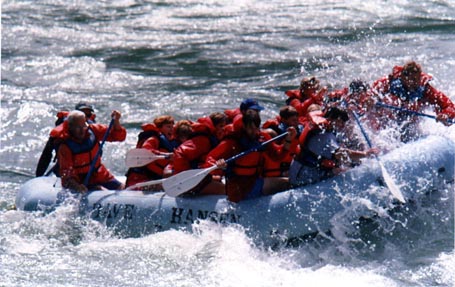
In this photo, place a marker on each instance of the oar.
(92, 165)
(387, 178)
(379, 104)
(140, 157)
(186, 180)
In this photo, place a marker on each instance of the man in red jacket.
(409, 88)
(46, 156)
(78, 147)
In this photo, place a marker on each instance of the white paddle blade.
(185, 181)
(140, 157)
(394, 189)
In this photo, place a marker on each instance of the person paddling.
(321, 154)
(158, 138)
(52, 145)
(409, 88)
(80, 143)
(206, 134)
(288, 117)
(244, 178)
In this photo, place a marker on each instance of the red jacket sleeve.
(152, 144)
(443, 105)
(225, 149)
(115, 135)
(191, 150)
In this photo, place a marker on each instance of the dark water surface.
(190, 58)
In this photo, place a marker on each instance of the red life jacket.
(249, 165)
(302, 104)
(383, 90)
(252, 163)
(274, 168)
(231, 114)
(272, 124)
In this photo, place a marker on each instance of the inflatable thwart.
(417, 168)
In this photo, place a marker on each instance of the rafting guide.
(79, 152)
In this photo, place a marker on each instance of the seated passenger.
(356, 98)
(156, 137)
(289, 117)
(321, 155)
(182, 132)
(310, 92)
(51, 145)
(79, 144)
(409, 88)
(234, 117)
(206, 134)
(244, 178)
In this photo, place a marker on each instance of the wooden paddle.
(394, 189)
(186, 180)
(140, 157)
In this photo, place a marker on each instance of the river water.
(187, 59)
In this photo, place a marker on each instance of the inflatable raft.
(417, 167)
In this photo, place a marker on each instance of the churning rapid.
(188, 59)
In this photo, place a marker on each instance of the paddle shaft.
(379, 104)
(98, 154)
(140, 156)
(364, 133)
(253, 149)
(387, 178)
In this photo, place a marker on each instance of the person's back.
(206, 134)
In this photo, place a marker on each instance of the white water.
(189, 58)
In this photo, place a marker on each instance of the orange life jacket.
(252, 163)
(274, 168)
(84, 153)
